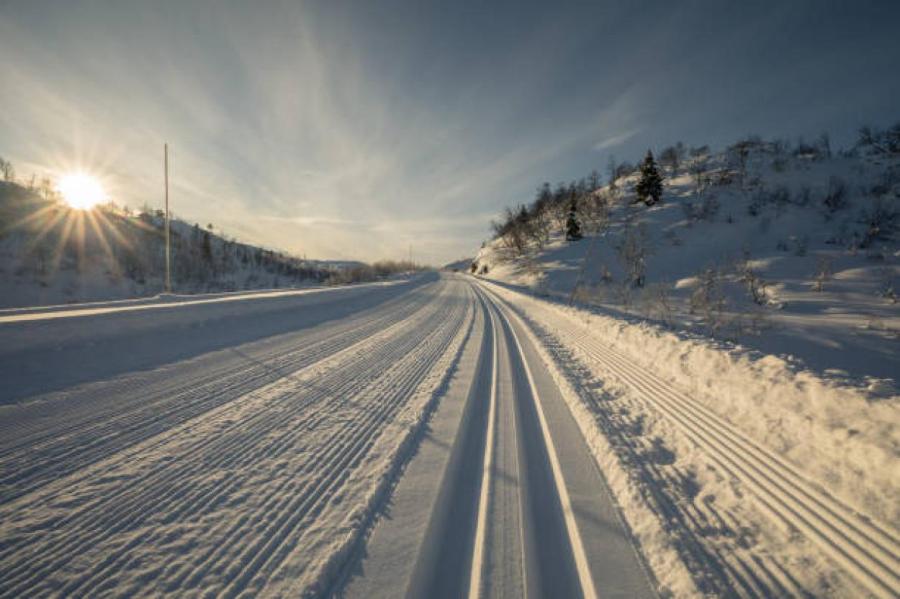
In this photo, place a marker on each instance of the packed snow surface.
(441, 432)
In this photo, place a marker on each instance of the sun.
(81, 191)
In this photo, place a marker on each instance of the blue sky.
(354, 129)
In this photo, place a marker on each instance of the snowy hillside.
(785, 249)
(737, 339)
(53, 254)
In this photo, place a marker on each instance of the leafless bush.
(881, 221)
(886, 181)
(595, 209)
(605, 275)
(705, 210)
(698, 169)
(824, 272)
(657, 303)
(708, 299)
(633, 250)
(778, 197)
(755, 285)
(836, 197)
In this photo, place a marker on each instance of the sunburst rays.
(55, 230)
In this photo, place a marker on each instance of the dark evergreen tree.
(649, 187)
(573, 227)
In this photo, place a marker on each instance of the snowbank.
(834, 434)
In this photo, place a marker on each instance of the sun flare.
(81, 191)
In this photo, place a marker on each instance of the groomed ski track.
(388, 440)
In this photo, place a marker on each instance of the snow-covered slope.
(737, 340)
(52, 254)
(799, 257)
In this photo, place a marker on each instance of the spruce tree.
(649, 187)
(573, 227)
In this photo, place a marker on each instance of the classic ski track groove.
(582, 565)
(865, 549)
(476, 570)
(406, 352)
(495, 314)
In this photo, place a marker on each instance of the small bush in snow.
(708, 299)
(633, 250)
(880, 221)
(880, 142)
(824, 272)
(886, 181)
(605, 275)
(656, 303)
(836, 198)
(756, 286)
(779, 197)
(887, 284)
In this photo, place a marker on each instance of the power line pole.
(168, 253)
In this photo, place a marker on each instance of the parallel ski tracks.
(43, 457)
(381, 380)
(866, 549)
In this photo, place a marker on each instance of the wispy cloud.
(350, 130)
(615, 140)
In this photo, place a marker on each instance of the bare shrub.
(708, 299)
(881, 221)
(778, 197)
(595, 210)
(755, 285)
(633, 250)
(657, 303)
(887, 284)
(836, 197)
(824, 272)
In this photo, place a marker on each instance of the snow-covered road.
(424, 438)
(230, 448)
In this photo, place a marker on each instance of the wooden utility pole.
(168, 254)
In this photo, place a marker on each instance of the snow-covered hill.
(787, 250)
(751, 315)
(52, 254)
